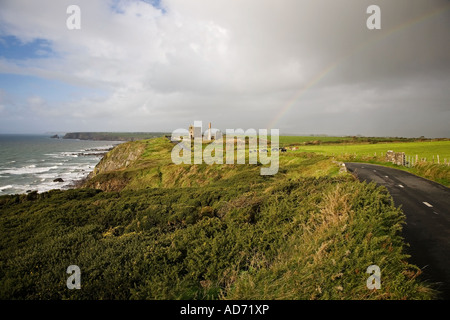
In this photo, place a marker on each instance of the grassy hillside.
(162, 231)
(427, 154)
(320, 140)
(429, 150)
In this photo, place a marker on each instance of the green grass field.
(294, 140)
(433, 156)
(318, 140)
(426, 150)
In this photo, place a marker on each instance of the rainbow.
(329, 68)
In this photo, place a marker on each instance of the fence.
(402, 159)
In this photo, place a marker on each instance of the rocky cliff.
(118, 159)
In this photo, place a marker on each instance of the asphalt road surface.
(426, 205)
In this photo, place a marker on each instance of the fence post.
(438, 158)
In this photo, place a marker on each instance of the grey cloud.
(240, 63)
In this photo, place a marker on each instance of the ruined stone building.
(397, 158)
(196, 131)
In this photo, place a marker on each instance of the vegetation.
(426, 153)
(161, 231)
(424, 150)
(320, 140)
(436, 172)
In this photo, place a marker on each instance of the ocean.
(33, 162)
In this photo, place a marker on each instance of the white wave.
(68, 153)
(5, 187)
(15, 189)
(29, 170)
(62, 155)
(47, 186)
(46, 175)
(93, 153)
(42, 187)
(83, 166)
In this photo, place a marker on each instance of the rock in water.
(58, 180)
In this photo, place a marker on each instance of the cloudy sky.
(301, 66)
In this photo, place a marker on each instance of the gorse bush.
(310, 238)
(239, 237)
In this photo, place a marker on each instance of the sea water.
(33, 162)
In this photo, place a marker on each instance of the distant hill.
(113, 136)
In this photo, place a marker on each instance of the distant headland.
(113, 136)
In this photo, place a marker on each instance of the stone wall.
(397, 158)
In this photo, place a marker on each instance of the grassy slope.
(375, 153)
(314, 140)
(198, 232)
(422, 149)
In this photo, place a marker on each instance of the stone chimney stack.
(209, 132)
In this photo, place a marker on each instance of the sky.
(300, 66)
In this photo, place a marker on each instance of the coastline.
(76, 184)
(40, 163)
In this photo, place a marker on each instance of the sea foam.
(29, 170)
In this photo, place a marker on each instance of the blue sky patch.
(22, 87)
(13, 48)
(155, 3)
(115, 5)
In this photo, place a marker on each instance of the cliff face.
(148, 164)
(118, 159)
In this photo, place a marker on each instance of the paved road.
(426, 205)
